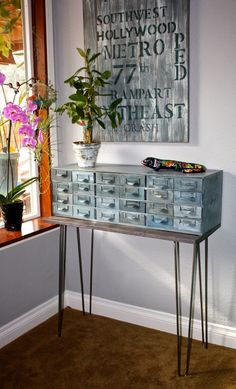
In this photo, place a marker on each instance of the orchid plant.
(22, 117)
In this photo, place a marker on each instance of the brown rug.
(97, 352)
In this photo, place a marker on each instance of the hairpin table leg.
(62, 273)
(178, 305)
(206, 292)
(194, 268)
(200, 290)
(91, 273)
(80, 268)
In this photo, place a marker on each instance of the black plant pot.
(12, 215)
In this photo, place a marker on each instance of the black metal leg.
(178, 306)
(81, 269)
(200, 290)
(195, 250)
(91, 273)
(206, 292)
(62, 268)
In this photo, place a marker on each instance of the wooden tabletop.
(130, 230)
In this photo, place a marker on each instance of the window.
(24, 57)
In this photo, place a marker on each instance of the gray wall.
(29, 275)
(140, 271)
(129, 269)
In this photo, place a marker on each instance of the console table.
(172, 236)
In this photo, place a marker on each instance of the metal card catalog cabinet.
(139, 196)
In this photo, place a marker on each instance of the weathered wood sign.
(144, 43)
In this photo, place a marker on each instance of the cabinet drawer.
(192, 184)
(61, 175)
(188, 211)
(132, 218)
(188, 225)
(159, 196)
(187, 197)
(83, 188)
(62, 198)
(107, 216)
(107, 178)
(83, 200)
(62, 187)
(132, 180)
(160, 183)
(131, 193)
(83, 212)
(130, 205)
(107, 202)
(158, 221)
(62, 209)
(107, 190)
(160, 209)
(82, 177)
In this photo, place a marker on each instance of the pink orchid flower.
(26, 129)
(40, 137)
(14, 113)
(2, 78)
(31, 107)
(29, 142)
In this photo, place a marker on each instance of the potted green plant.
(83, 107)
(12, 205)
(23, 117)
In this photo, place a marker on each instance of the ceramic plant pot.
(4, 169)
(86, 154)
(12, 215)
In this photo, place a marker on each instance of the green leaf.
(101, 123)
(94, 56)
(3, 199)
(78, 97)
(81, 52)
(114, 104)
(106, 75)
(18, 190)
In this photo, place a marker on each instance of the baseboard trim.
(26, 322)
(166, 322)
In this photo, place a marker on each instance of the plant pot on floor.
(12, 215)
(86, 153)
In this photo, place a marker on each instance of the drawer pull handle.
(108, 217)
(160, 221)
(83, 201)
(107, 190)
(135, 194)
(84, 214)
(133, 183)
(62, 209)
(188, 223)
(62, 201)
(132, 217)
(82, 179)
(164, 210)
(109, 205)
(132, 204)
(64, 190)
(189, 211)
(63, 175)
(108, 180)
(160, 196)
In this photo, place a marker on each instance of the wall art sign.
(144, 43)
